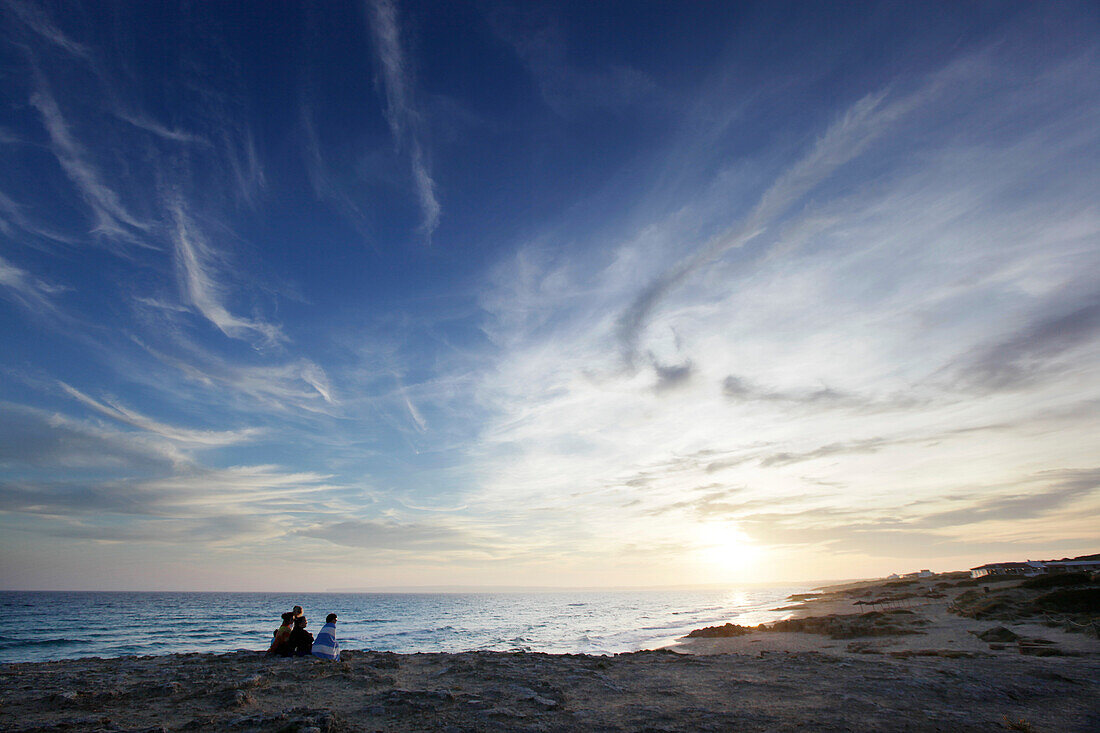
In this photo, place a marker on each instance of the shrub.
(1057, 581)
(1070, 600)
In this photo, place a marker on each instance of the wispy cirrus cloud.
(197, 267)
(205, 438)
(39, 22)
(163, 132)
(13, 214)
(847, 137)
(401, 112)
(27, 290)
(38, 438)
(225, 507)
(292, 385)
(112, 218)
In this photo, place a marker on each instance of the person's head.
(330, 619)
(300, 622)
(288, 618)
(297, 610)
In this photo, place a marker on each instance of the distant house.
(1085, 563)
(919, 574)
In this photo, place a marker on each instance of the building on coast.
(909, 576)
(1083, 564)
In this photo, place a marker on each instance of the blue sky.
(351, 295)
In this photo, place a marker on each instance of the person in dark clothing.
(301, 641)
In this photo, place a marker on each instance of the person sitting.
(280, 644)
(325, 645)
(301, 641)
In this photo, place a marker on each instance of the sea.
(48, 625)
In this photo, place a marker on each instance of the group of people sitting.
(292, 639)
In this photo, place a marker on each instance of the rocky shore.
(495, 691)
(941, 654)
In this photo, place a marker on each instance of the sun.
(725, 546)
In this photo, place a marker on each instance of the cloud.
(240, 505)
(212, 532)
(97, 470)
(35, 438)
(1055, 490)
(196, 267)
(672, 375)
(239, 148)
(293, 385)
(205, 438)
(847, 137)
(111, 217)
(566, 88)
(811, 350)
(740, 389)
(165, 133)
(1032, 352)
(408, 537)
(28, 291)
(36, 20)
(401, 113)
(12, 212)
(903, 532)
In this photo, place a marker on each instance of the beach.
(943, 677)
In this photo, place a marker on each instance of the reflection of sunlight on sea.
(44, 626)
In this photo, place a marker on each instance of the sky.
(392, 294)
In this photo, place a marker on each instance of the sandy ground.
(941, 680)
(944, 632)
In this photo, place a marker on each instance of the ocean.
(43, 626)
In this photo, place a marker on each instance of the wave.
(41, 643)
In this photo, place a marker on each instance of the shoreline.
(900, 618)
(918, 668)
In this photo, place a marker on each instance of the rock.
(1037, 650)
(523, 693)
(998, 633)
(254, 681)
(864, 647)
(714, 632)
